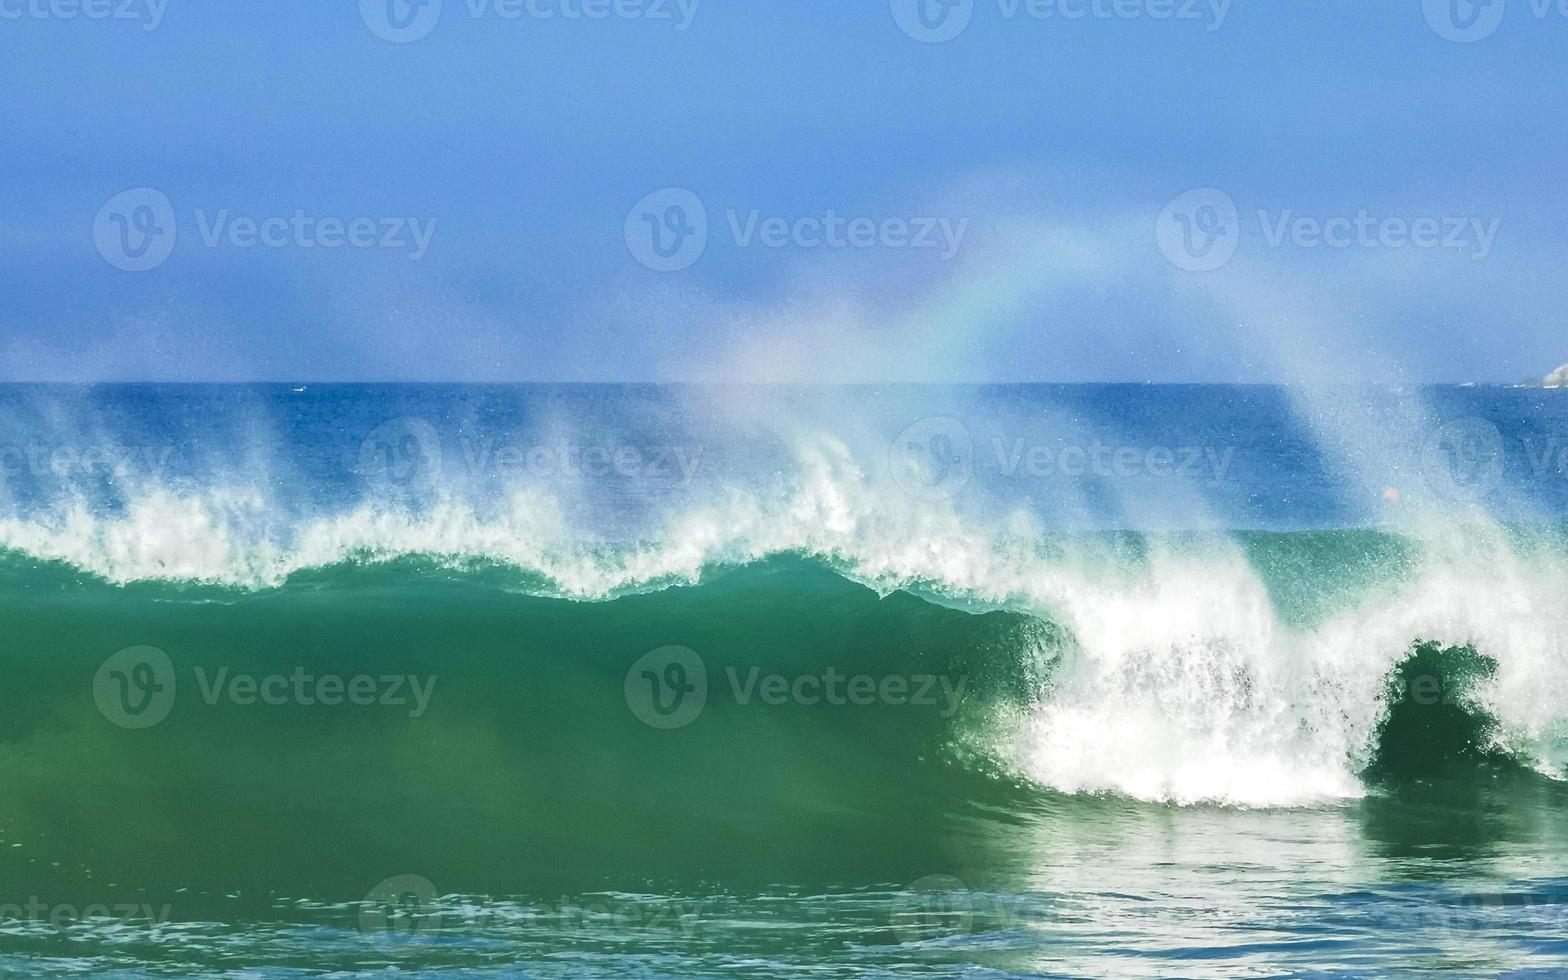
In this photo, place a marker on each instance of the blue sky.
(1011, 202)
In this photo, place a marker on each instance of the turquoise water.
(319, 690)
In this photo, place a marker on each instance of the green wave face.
(498, 747)
(364, 723)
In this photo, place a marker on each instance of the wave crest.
(1239, 669)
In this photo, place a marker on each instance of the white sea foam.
(1192, 689)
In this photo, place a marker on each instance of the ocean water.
(647, 681)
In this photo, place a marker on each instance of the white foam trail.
(1192, 689)
(1185, 688)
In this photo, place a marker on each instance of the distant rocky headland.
(1557, 379)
